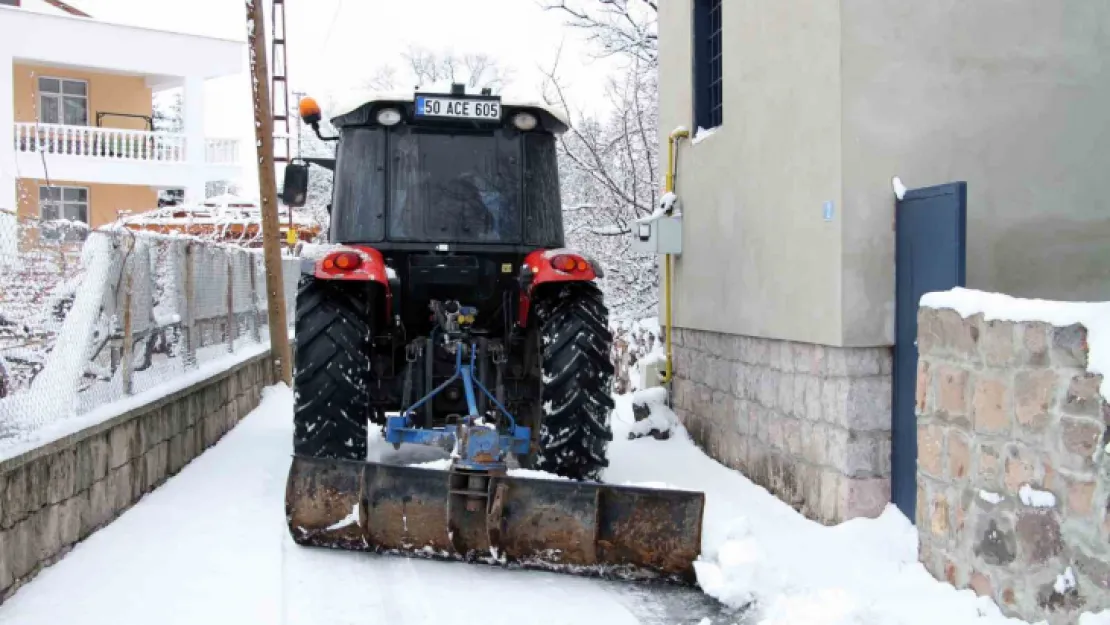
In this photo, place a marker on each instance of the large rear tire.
(577, 381)
(331, 369)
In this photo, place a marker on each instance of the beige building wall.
(758, 258)
(109, 93)
(105, 200)
(827, 101)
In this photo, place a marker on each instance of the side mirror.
(294, 190)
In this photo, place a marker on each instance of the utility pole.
(267, 187)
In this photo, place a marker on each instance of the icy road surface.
(211, 546)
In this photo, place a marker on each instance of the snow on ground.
(1095, 316)
(211, 546)
(793, 571)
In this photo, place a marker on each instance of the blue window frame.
(708, 79)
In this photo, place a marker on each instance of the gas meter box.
(657, 235)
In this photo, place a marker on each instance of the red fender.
(548, 266)
(356, 263)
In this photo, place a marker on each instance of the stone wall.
(810, 423)
(59, 494)
(1013, 479)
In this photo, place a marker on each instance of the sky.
(335, 45)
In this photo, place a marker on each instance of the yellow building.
(77, 138)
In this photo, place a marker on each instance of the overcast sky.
(333, 45)
(336, 43)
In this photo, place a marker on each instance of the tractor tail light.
(570, 263)
(342, 261)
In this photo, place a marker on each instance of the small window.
(63, 101)
(708, 78)
(61, 205)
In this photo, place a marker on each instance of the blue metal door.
(930, 255)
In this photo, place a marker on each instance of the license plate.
(458, 108)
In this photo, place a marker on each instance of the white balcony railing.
(101, 143)
(117, 144)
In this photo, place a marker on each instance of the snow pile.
(702, 134)
(1095, 316)
(651, 414)
(758, 552)
(1036, 498)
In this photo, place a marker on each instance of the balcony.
(118, 144)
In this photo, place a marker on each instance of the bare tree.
(625, 28)
(610, 166)
(425, 67)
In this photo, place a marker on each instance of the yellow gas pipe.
(680, 133)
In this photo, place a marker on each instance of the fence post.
(190, 321)
(232, 328)
(128, 338)
(256, 336)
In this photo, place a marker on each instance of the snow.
(792, 571)
(54, 391)
(702, 134)
(899, 188)
(9, 448)
(989, 497)
(211, 546)
(1065, 581)
(229, 545)
(1036, 498)
(1095, 316)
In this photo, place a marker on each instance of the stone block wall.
(57, 495)
(1013, 475)
(810, 423)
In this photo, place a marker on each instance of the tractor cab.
(440, 171)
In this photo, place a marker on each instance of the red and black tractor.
(446, 311)
(446, 220)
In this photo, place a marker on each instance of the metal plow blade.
(582, 528)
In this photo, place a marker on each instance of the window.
(63, 101)
(68, 203)
(708, 83)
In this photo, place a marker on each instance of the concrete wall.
(108, 93)
(1004, 407)
(57, 495)
(809, 423)
(826, 101)
(1008, 95)
(758, 258)
(105, 200)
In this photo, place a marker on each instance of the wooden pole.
(267, 187)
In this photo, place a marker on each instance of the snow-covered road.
(210, 546)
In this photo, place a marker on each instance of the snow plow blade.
(577, 527)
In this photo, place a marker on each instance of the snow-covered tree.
(610, 166)
(425, 67)
(168, 116)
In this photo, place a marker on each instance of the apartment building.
(77, 136)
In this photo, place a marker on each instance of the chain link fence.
(91, 318)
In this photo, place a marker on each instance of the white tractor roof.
(356, 99)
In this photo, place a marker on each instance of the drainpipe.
(672, 140)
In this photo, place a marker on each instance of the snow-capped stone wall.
(810, 423)
(1013, 459)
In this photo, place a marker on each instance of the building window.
(63, 101)
(70, 204)
(708, 83)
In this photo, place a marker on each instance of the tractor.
(446, 311)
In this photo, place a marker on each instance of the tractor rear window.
(454, 188)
